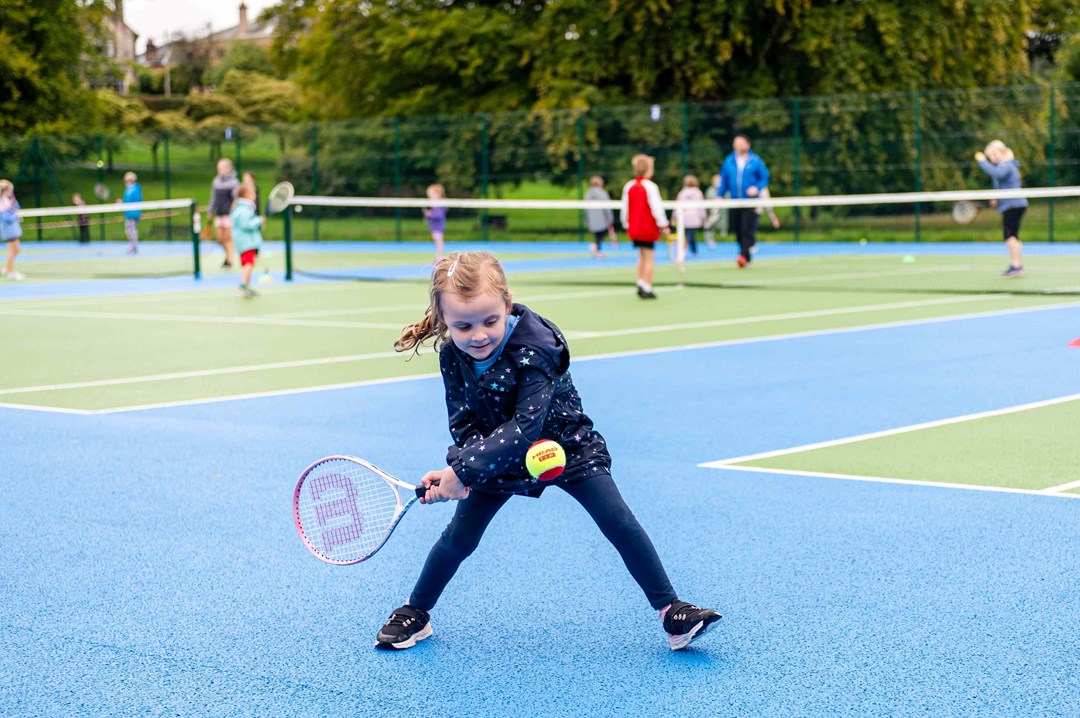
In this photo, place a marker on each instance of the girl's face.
(477, 326)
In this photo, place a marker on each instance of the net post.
(918, 164)
(286, 217)
(37, 182)
(315, 176)
(485, 159)
(101, 179)
(1050, 162)
(397, 177)
(192, 209)
(581, 172)
(796, 136)
(168, 186)
(239, 163)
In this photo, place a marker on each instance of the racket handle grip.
(420, 491)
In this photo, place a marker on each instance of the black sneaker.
(406, 626)
(684, 622)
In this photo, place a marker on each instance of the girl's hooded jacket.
(525, 396)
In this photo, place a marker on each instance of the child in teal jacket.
(246, 234)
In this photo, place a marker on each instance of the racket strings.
(346, 510)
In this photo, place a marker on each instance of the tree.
(50, 50)
(262, 100)
(245, 57)
(191, 57)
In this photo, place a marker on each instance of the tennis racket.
(345, 508)
(965, 212)
(279, 197)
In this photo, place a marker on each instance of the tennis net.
(945, 242)
(94, 240)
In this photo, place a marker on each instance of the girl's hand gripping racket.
(345, 508)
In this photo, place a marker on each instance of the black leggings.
(598, 495)
(744, 222)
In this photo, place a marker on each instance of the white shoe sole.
(680, 642)
(419, 636)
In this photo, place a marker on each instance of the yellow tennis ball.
(545, 460)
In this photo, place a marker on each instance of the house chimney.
(119, 4)
(243, 29)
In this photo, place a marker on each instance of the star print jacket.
(525, 396)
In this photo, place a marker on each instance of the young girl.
(507, 386)
(246, 223)
(1000, 163)
(645, 220)
(694, 218)
(132, 193)
(10, 228)
(436, 218)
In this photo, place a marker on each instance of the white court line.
(194, 319)
(886, 480)
(419, 307)
(593, 357)
(1062, 487)
(779, 317)
(201, 372)
(48, 409)
(724, 463)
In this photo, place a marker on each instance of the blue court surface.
(151, 567)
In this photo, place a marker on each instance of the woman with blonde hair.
(999, 162)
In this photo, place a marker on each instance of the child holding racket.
(1000, 163)
(507, 386)
(246, 225)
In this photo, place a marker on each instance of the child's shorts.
(248, 257)
(223, 220)
(640, 244)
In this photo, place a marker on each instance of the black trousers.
(744, 223)
(600, 498)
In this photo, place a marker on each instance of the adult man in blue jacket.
(743, 175)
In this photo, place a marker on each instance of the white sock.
(641, 284)
(646, 287)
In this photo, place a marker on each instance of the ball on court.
(265, 279)
(100, 163)
(545, 460)
(909, 259)
(862, 241)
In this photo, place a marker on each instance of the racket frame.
(394, 483)
(961, 216)
(289, 192)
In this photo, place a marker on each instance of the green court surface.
(1030, 448)
(110, 352)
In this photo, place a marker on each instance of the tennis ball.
(265, 279)
(863, 241)
(909, 259)
(100, 163)
(545, 460)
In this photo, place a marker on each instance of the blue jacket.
(10, 225)
(246, 226)
(1005, 176)
(755, 174)
(133, 194)
(525, 396)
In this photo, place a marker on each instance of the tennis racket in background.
(279, 198)
(965, 212)
(345, 508)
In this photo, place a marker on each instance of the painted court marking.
(390, 354)
(195, 319)
(779, 317)
(737, 463)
